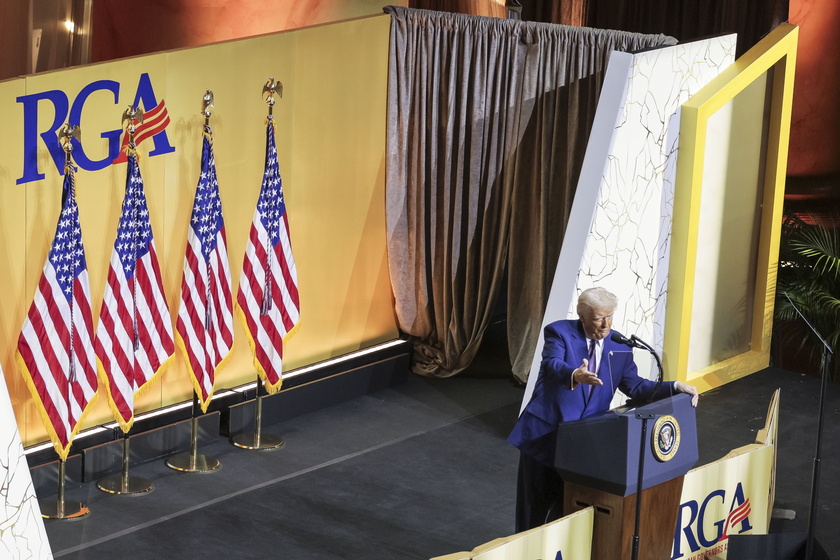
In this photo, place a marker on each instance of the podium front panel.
(602, 452)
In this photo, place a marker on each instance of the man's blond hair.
(596, 298)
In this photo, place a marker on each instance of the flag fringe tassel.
(62, 451)
(269, 387)
(103, 378)
(196, 385)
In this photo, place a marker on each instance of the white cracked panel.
(22, 533)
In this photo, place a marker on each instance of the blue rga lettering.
(63, 112)
(692, 523)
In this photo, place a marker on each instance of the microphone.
(621, 339)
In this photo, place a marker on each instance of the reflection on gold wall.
(492, 8)
(124, 29)
(13, 39)
(331, 145)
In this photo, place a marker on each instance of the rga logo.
(154, 125)
(708, 525)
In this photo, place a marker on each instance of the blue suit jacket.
(554, 401)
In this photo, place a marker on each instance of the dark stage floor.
(415, 471)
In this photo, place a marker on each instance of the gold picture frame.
(772, 60)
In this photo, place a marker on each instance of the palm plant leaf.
(820, 245)
(809, 279)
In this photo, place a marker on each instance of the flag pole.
(193, 462)
(122, 483)
(62, 509)
(257, 440)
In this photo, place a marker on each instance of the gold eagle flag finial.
(132, 115)
(65, 136)
(270, 88)
(207, 101)
(66, 133)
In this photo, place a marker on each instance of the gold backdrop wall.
(331, 145)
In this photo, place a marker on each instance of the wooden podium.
(599, 460)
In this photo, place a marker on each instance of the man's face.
(597, 322)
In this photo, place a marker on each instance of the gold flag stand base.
(187, 462)
(123, 484)
(66, 511)
(257, 440)
(60, 509)
(193, 462)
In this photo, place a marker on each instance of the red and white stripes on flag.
(134, 340)
(55, 347)
(204, 330)
(268, 302)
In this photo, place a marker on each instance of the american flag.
(204, 330)
(134, 339)
(268, 301)
(55, 350)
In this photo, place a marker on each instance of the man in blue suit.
(581, 370)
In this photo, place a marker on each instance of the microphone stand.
(644, 416)
(639, 343)
(790, 546)
(827, 353)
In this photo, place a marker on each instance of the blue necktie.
(593, 347)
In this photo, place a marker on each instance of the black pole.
(810, 539)
(644, 416)
(815, 480)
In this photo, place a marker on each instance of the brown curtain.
(566, 12)
(686, 20)
(487, 124)
(470, 7)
